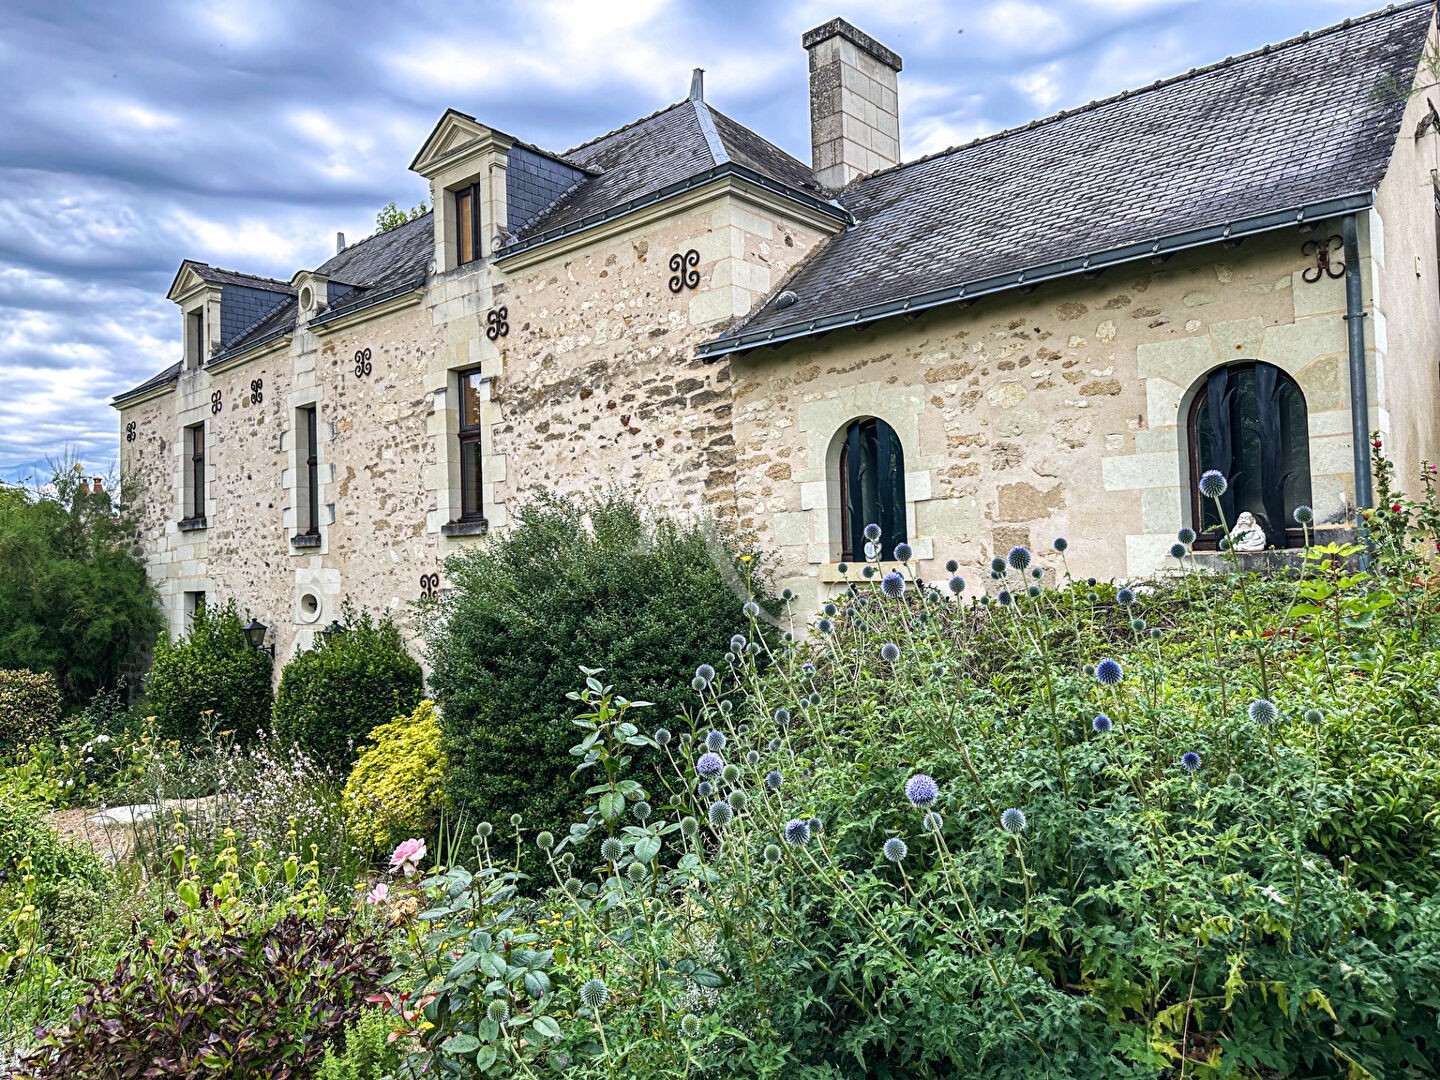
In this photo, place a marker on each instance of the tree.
(74, 598)
(211, 677)
(392, 217)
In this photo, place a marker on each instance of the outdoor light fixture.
(336, 627)
(255, 632)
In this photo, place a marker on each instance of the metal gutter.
(728, 168)
(1359, 387)
(1032, 275)
(371, 299)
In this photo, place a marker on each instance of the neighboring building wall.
(1026, 417)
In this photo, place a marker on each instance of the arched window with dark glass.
(872, 487)
(1249, 422)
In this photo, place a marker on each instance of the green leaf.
(647, 848)
(612, 805)
(537, 983)
(486, 1057)
(464, 965)
(460, 1044)
(547, 1026)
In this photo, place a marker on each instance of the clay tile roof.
(1293, 125)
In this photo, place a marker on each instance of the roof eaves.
(249, 346)
(1032, 275)
(378, 296)
(728, 168)
(153, 385)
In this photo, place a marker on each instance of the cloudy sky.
(246, 133)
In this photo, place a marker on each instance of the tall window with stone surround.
(467, 224)
(872, 488)
(308, 471)
(195, 472)
(472, 506)
(1249, 422)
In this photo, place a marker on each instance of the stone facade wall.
(1058, 413)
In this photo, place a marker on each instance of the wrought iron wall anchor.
(363, 366)
(217, 400)
(257, 388)
(497, 323)
(1324, 265)
(683, 267)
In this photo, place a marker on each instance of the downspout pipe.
(1359, 386)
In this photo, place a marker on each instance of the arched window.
(872, 487)
(1248, 421)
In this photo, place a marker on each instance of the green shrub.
(247, 1000)
(395, 789)
(30, 706)
(369, 1054)
(209, 679)
(74, 598)
(569, 584)
(56, 864)
(331, 697)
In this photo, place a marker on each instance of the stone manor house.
(1051, 331)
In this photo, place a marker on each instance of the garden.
(648, 818)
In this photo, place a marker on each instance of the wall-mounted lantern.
(255, 632)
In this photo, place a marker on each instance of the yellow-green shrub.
(395, 789)
(29, 705)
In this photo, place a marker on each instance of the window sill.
(191, 524)
(305, 540)
(471, 527)
(830, 574)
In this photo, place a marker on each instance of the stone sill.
(191, 524)
(829, 573)
(472, 527)
(305, 540)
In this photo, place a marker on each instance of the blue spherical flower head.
(997, 565)
(1313, 716)
(952, 566)
(1125, 597)
(1019, 558)
(893, 584)
(825, 626)
(895, 850)
(843, 568)
(1304, 515)
(1190, 760)
(1012, 820)
(706, 672)
(721, 814)
(1155, 632)
(903, 552)
(594, 994)
(889, 652)
(1109, 672)
(775, 745)
(957, 584)
(710, 765)
(731, 773)
(830, 609)
(1263, 712)
(815, 825)
(737, 642)
(1101, 724)
(689, 827)
(922, 790)
(752, 757)
(773, 780)
(932, 822)
(662, 736)
(1213, 484)
(1003, 598)
(797, 832)
(1137, 625)
(868, 571)
(1178, 551)
(751, 609)
(872, 532)
(642, 810)
(1089, 670)
(782, 716)
(715, 740)
(1036, 573)
(698, 684)
(1061, 544)
(705, 789)
(1186, 535)
(1033, 591)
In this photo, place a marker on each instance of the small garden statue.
(1247, 534)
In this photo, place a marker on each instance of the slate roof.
(1299, 124)
(169, 375)
(218, 276)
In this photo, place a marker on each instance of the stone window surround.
(482, 162)
(193, 512)
(303, 538)
(447, 518)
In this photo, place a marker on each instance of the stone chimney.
(854, 103)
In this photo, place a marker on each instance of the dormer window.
(195, 338)
(467, 224)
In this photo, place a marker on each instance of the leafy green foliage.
(74, 599)
(331, 697)
(395, 789)
(30, 706)
(54, 863)
(368, 1054)
(210, 678)
(392, 217)
(247, 1000)
(570, 583)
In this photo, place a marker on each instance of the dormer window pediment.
(465, 162)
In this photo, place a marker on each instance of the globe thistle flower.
(1155, 632)
(797, 832)
(710, 764)
(1235, 780)
(642, 811)
(574, 886)
(689, 827)
(1313, 716)
(715, 740)
(1033, 591)
(868, 571)
(751, 609)
(721, 814)
(816, 700)
(787, 595)
(1109, 672)
(1304, 515)
(515, 820)
(952, 566)
(1137, 624)
(738, 800)
(772, 853)
(498, 1011)
(782, 716)
(484, 829)
(922, 790)
(932, 821)
(698, 684)
(636, 872)
(731, 773)
(705, 789)
(594, 994)
(890, 652)
(830, 609)
(816, 825)
(611, 849)
(690, 1026)
(844, 569)
(1019, 558)
(1089, 670)
(1186, 535)
(1190, 760)
(1012, 820)
(1263, 712)
(754, 648)
(1101, 724)
(1213, 484)
(893, 584)
(705, 672)
(773, 779)
(544, 839)
(997, 565)
(774, 744)
(1036, 573)
(1178, 551)
(872, 532)
(825, 626)
(737, 642)
(752, 757)
(808, 669)
(903, 552)
(1125, 597)
(986, 600)
(995, 575)
(895, 850)
(957, 584)
(1092, 596)
(567, 860)
(1060, 544)
(662, 736)
(1003, 598)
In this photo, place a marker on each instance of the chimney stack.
(339, 242)
(854, 103)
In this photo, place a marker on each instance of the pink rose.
(406, 858)
(379, 894)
